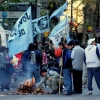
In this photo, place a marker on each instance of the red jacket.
(58, 52)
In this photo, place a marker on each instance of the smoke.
(25, 71)
(17, 76)
(32, 70)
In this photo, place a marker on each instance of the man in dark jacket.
(67, 66)
(5, 66)
(32, 67)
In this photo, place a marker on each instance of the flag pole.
(60, 78)
(62, 55)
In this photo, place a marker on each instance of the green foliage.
(17, 1)
(1, 1)
(3, 7)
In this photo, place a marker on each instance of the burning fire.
(29, 88)
(29, 82)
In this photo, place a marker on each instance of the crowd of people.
(61, 68)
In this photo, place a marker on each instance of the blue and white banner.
(40, 25)
(57, 13)
(21, 34)
(60, 30)
(68, 38)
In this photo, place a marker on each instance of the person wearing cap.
(77, 56)
(92, 61)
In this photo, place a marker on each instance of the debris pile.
(29, 88)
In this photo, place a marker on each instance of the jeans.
(5, 79)
(33, 71)
(67, 80)
(96, 73)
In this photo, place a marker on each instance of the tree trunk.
(84, 28)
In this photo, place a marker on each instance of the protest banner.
(21, 34)
(40, 25)
(59, 31)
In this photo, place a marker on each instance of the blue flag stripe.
(23, 29)
(57, 13)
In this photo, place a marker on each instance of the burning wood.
(29, 83)
(29, 88)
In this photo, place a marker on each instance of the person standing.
(5, 69)
(67, 66)
(67, 70)
(32, 58)
(92, 60)
(77, 63)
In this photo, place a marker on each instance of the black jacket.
(68, 63)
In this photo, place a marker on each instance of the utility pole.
(34, 9)
(71, 22)
(71, 14)
(97, 17)
(97, 22)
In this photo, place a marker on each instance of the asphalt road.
(84, 96)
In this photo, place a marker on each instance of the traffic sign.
(11, 14)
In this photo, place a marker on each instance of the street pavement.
(84, 96)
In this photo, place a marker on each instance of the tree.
(89, 17)
(1, 1)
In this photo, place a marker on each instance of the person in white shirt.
(92, 61)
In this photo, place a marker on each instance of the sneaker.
(90, 93)
(53, 92)
(5, 90)
(67, 93)
(83, 86)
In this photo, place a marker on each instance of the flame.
(29, 82)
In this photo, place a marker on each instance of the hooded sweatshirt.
(92, 56)
(98, 45)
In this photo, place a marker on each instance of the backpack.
(54, 69)
(32, 57)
